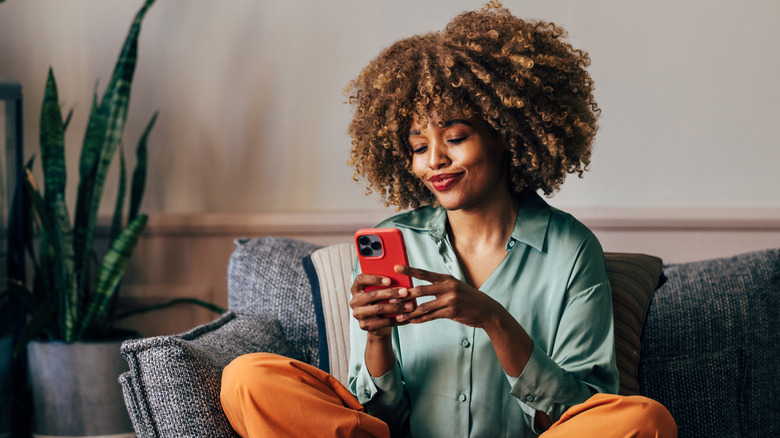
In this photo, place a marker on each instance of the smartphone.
(379, 250)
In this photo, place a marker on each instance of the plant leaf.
(109, 126)
(153, 307)
(93, 138)
(24, 295)
(66, 268)
(139, 174)
(52, 138)
(111, 271)
(90, 151)
(116, 223)
(36, 325)
(67, 120)
(51, 276)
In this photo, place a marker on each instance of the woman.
(511, 334)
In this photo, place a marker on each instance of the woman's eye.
(419, 149)
(457, 140)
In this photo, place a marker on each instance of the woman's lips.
(444, 181)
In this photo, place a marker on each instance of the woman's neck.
(486, 227)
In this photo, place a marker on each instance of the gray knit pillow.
(266, 276)
(172, 388)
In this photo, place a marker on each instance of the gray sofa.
(702, 338)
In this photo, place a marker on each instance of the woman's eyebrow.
(447, 124)
(457, 122)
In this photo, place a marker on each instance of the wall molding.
(339, 222)
(676, 235)
(182, 255)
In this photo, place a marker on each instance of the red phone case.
(379, 250)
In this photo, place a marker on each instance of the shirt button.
(462, 397)
(367, 393)
(529, 398)
(466, 343)
(511, 243)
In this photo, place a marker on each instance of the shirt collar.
(533, 218)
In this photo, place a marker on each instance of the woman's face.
(462, 163)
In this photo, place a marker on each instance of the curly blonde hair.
(519, 76)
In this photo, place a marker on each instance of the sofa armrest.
(172, 388)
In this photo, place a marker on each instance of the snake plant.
(72, 297)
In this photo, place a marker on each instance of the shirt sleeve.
(581, 361)
(384, 397)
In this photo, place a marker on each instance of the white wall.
(253, 120)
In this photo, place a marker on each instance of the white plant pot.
(75, 389)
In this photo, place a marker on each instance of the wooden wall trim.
(186, 255)
(340, 222)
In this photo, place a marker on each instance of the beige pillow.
(633, 278)
(334, 271)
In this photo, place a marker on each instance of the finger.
(375, 295)
(376, 324)
(412, 312)
(425, 317)
(381, 309)
(422, 274)
(426, 290)
(363, 281)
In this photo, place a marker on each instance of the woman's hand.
(460, 302)
(454, 300)
(370, 307)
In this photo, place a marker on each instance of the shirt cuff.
(382, 392)
(537, 385)
(527, 409)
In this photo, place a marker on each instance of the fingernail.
(402, 292)
(386, 281)
(408, 306)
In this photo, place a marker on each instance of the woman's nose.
(438, 157)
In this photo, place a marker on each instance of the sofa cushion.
(721, 389)
(633, 278)
(172, 388)
(708, 309)
(331, 280)
(266, 275)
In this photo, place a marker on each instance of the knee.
(656, 421)
(242, 373)
(233, 377)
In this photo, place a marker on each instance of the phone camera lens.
(366, 251)
(364, 240)
(376, 246)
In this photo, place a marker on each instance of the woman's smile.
(443, 182)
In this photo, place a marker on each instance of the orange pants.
(269, 395)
